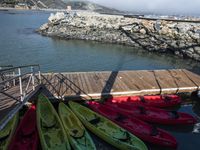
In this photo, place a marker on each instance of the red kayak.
(137, 127)
(26, 136)
(152, 114)
(153, 101)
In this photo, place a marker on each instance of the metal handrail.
(18, 75)
(23, 81)
(15, 77)
(13, 68)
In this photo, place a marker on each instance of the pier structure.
(19, 84)
(119, 83)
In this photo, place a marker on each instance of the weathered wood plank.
(193, 77)
(96, 85)
(166, 81)
(129, 81)
(121, 83)
(85, 86)
(88, 83)
(146, 82)
(68, 84)
(183, 82)
(75, 85)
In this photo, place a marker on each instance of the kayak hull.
(78, 135)
(137, 127)
(106, 129)
(153, 115)
(26, 135)
(51, 131)
(160, 101)
(7, 132)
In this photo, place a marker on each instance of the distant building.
(69, 8)
(22, 6)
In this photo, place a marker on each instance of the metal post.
(20, 83)
(40, 80)
(33, 77)
(13, 79)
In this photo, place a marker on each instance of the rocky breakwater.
(179, 38)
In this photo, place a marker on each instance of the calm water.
(20, 45)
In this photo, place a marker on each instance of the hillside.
(61, 4)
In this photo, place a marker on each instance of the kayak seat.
(48, 123)
(166, 98)
(95, 120)
(129, 99)
(154, 131)
(123, 138)
(142, 99)
(76, 133)
(120, 118)
(174, 115)
(142, 110)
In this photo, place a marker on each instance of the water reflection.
(196, 109)
(98, 56)
(196, 128)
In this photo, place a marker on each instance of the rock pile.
(179, 38)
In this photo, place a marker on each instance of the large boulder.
(54, 18)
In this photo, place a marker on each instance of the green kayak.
(78, 136)
(106, 129)
(50, 128)
(7, 132)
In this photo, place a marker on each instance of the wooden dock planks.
(114, 83)
(108, 83)
(183, 82)
(165, 81)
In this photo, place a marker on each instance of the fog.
(179, 7)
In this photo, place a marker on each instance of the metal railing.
(22, 77)
(18, 84)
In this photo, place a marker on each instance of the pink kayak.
(26, 136)
(153, 101)
(152, 114)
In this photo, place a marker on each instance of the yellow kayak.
(106, 129)
(7, 132)
(50, 128)
(78, 136)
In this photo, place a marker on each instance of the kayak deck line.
(91, 85)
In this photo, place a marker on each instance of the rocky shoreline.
(179, 38)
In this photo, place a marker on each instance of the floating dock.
(118, 83)
(94, 85)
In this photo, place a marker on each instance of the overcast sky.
(156, 6)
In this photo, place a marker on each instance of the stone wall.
(179, 38)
